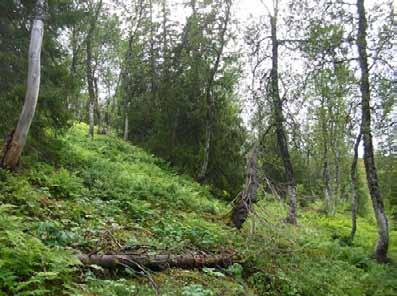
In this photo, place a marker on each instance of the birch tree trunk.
(13, 148)
(279, 124)
(125, 79)
(126, 85)
(382, 244)
(89, 71)
(328, 196)
(327, 188)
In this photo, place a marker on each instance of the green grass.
(102, 194)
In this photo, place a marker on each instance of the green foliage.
(387, 176)
(119, 287)
(52, 111)
(315, 260)
(27, 266)
(168, 103)
(59, 184)
(196, 290)
(102, 194)
(363, 199)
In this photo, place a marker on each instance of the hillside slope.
(105, 195)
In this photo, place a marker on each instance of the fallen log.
(159, 261)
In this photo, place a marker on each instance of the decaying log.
(248, 196)
(159, 261)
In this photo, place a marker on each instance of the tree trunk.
(353, 175)
(207, 144)
(326, 175)
(126, 128)
(98, 110)
(91, 120)
(382, 244)
(13, 148)
(327, 188)
(337, 192)
(89, 71)
(91, 93)
(126, 86)
(248, 196)
(210, 97)
(158, 262)
(279, 124)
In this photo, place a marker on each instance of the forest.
(198, 147)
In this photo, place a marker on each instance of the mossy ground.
(103, 194)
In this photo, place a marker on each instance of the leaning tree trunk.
(248, 196)
(14, 146)
(279, 124)
(382, 244)
(210, 97)
(353, 175)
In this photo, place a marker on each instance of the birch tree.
(382, 244)
(14, 145)
(89, 68)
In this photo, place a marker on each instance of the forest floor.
(105, 195)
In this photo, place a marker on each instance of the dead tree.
(248, 196)
(279, 122)
(14, 145)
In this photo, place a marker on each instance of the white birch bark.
(13, 148)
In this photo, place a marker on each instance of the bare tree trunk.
(13, 148)
(353, 175)
(158, 262)
(210, 97)
(327, 189)
(337, 192)
(326, 175)
(382, 244)
(279, 124)
(126, 85)
(126, 128)
(91, 120)
(248, 196)
(207, 144)
(89, 71)
(98, 110)
(91, 92)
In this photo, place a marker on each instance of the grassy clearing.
(102, 194)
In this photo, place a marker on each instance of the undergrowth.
(102, 195)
